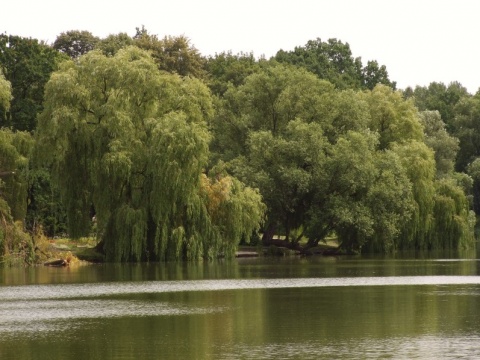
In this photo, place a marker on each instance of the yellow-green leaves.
(395, 119)
(356, 164)
(440, 141)
(15, 148)
(5, 92)
(130, 143)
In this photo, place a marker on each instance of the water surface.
(309, 308)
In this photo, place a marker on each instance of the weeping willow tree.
(129, 143)
(5, 92)
(441, 218)
(15, 148)
(419, 162)
(15, 244)
(400, 128)
(454, 221)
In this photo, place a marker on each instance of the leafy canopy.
(27, 65)
(333, 61)
(75, 43)
(131, 142)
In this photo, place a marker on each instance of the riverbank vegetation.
(162, 153)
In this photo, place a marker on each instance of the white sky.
(419, 41)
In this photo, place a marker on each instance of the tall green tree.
(75, 43)
(362, 195)
(395, 119)
(12, 199)
(439, 97)
(473, 170)
(226, 69)
(111, 44)
(467, 129)
(15, 148)
(453, 220)
(15, 152)
(132, 142)
(267, 101)
(27, 65)
(5, 92)
(374, 74)
(283, 167)
(319, 167)
(400, 128)
(419, 163)
(174, 54)
(333, 61)
(45, 212)
(440, 141)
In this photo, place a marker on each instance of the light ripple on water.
(36, 292)
(43, 311)
(425, 347)
(73, 309)
(35, 316)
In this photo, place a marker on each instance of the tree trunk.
(267, 238)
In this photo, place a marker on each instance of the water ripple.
(48, 316)
(425, 347)
(37, 292)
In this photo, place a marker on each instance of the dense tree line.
(177, 155)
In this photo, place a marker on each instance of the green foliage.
(75, 43)
(232, 207)
(44, 209)
(374, 74)
(5, 92)
(226, 69)
(110, 45)
(343, 111)
(467, 130)
(440, 141)
(15, 244)
(173, 54)
(27, 65)
(341, 188)
(15, 148)
(309, 151)
(439, 97)
(390, 201)
(283, 168)
(267, 101)
(473, 170)
(132, 142)
(395, 119)
(365, 196)
(327, 161)
(129, 133)
(333, 61)
(419, 164)
(453, 221)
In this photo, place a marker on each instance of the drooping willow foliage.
(129, 144)
(14, 151)
(419, 163)
(5, 92)
(453, 220)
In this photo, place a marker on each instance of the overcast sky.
(419, 41)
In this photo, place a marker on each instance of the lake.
(402, 307)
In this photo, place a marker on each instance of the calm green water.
(315, 308)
